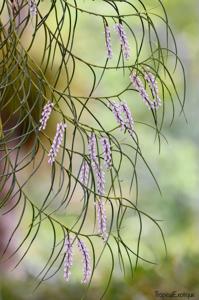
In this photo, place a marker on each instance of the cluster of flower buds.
(56, 142)
(138, 85)
(119, 28)
(150, 78)
(92, 149)
(101, 218)
(68, 259)
(108, 42)
(123, 116)
(106, 152)
(100, 179)
(123, 40)
(84, 173)
(32, 8)
(85, 260)
(45, 115)
(117, 111)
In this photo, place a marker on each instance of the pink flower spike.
(101, 218)
(117, 111)
(100, 177)
(106, 152)
(138, 85)
(85, 260)
(150, 78)
(32, 8)
(123, 40)
(128, 116)
(45, 115)
(108, 42)
(68, 261)
(56, 142)
(92, 148)
(84, 173)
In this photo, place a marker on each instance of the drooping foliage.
(51, 75)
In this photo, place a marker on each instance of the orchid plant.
(84, 155)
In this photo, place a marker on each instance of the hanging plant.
(48, 80)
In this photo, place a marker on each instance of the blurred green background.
(177, 170)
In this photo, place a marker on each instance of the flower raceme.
(117, 111)
(92, 149)
(123, 116)
(108, 42)
(85, 260)
(68, 260)
(119, 28)
(56, 142)
(99, 173)
(101, 218)
(129, 123)
(32, 8)
(45, 115)
(138, 85)
(100, 180)
(106, 152)
(150, 78)
(84, 173)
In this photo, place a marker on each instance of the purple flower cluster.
(84, 173)
(100, 179)
(92, 149)
(106, 152)
(116, 110)
(45, 115)
(68, 260)
(86, 261)
(108, 42)
(32, 8)
(138, 85)
(123, 40)
(123, 116)
(128, 116)
(150, 78)
(56, 142)
(101, 217)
